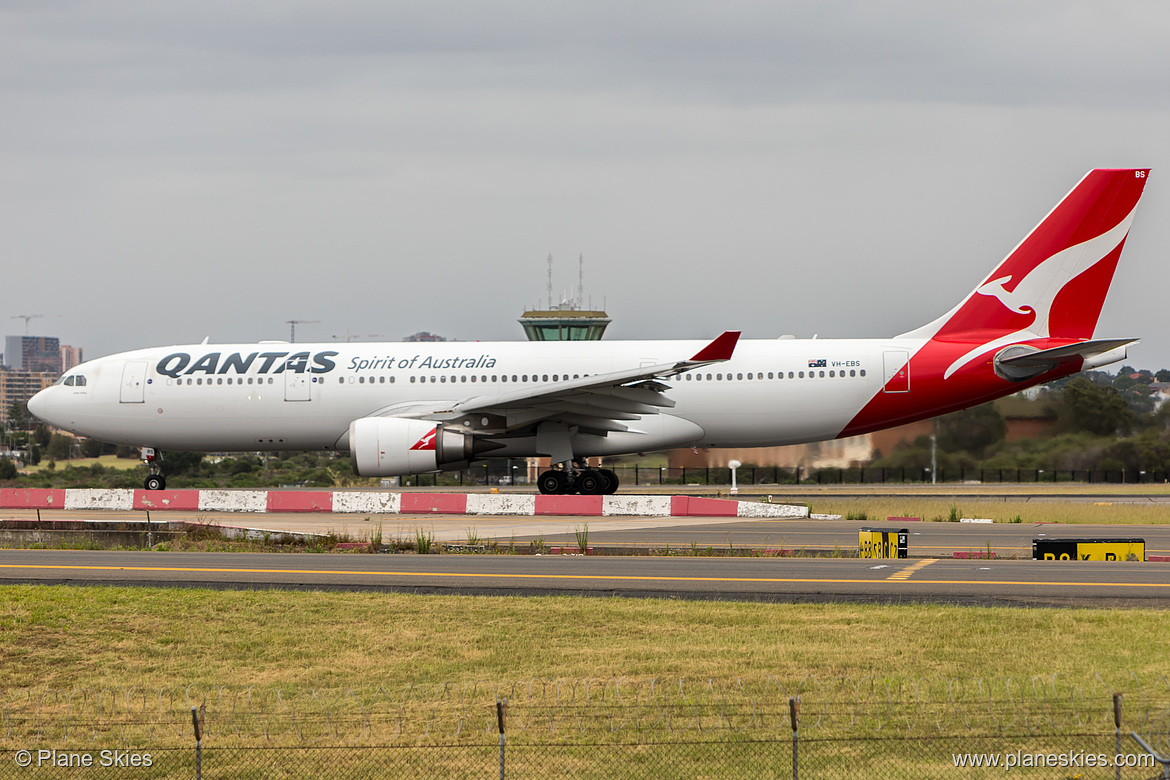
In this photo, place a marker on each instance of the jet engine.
(393, 446)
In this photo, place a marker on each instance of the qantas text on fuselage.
(409, 409)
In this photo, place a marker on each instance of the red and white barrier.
(385, 502)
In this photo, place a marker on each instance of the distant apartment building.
(40, 354)
(70, 357)
(19, 386)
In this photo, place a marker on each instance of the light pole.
(934, 453)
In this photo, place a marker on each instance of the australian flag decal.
(817, 363)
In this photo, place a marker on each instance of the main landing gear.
(155, 480)
(574, 478)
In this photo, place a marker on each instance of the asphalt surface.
(1024, 582)
(1006, 540)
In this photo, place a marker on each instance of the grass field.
(152, 638)
(295, 680)
(105, 461)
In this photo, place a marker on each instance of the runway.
(1005, 540)
(927, 580)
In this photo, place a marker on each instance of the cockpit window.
(73, 380)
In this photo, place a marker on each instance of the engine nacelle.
(395, 446)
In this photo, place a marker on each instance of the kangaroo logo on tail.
(995, 288)
(1037, 291)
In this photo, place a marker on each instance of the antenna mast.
(550, 300)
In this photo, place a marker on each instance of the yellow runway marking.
(621, 577)
(908, 572)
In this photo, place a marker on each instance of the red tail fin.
(1053, 283)
(1043, 301)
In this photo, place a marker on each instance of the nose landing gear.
(155, 480)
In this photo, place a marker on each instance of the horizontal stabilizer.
(1085, 350)
(1020, 362)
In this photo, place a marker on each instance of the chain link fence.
(872, 727)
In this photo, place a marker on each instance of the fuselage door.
(897, 371)
(297, 387)
(134, 382)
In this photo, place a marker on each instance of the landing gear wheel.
(155, 480)
(552, 483)
(591, 483)
(611, 481)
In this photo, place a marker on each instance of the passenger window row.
(79, 381)
(832, 374)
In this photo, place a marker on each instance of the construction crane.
(27, 317)
(349, 337)
(292, 328)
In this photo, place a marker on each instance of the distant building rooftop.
(423, 335)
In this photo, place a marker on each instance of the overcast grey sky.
(186, 169)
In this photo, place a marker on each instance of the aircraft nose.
(38, 405)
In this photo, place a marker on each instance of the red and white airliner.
(408, 408)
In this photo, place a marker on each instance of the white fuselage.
(247, 397)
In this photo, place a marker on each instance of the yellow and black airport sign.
(1088, 549)
(876, 543)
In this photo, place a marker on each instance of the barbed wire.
(541, 709)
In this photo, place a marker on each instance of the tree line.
(1091, 421)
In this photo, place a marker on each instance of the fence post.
(794, 716)
(501, 712)
(1117, 726)
(198, 744)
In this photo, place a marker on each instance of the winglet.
(719, 349)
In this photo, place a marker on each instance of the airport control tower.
(567, 320)
(564, 321)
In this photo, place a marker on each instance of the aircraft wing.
(596, 403)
